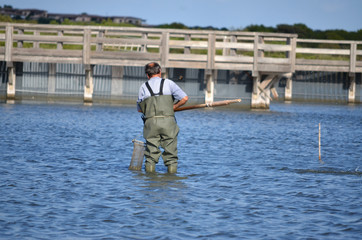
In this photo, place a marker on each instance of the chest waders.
(160, 129)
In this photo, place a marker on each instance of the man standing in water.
(156, 101)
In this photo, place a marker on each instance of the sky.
(232, 14)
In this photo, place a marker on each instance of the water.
(242, 174)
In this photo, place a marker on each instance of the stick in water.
(319, 143)
(213, 104)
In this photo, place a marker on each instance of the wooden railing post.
(187, 50)
(211, 51)
(144, 46)
(257, 40)
(291, 55)
(60, 44)
(86, 46)
(36, 44)
(9, 43)
(99, 46)
(226, 51)
(352, 58)
(233, 50)
(164, 53)
(20, 42)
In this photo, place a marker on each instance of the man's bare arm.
(180, 103)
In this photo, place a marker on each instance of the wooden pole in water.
(319, 143)
(213, 104)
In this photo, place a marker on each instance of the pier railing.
(260, 53)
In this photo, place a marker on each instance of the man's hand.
(180, 103)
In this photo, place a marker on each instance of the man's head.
(152, 69)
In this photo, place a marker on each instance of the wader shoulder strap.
(161, 87)
(150, 89)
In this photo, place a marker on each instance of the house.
(36, 14)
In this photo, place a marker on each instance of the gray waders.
(160, 129)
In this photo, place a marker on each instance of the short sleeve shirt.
(169, 88)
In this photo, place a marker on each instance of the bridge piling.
(352, 88)
(10, 94)
(288, 87)
(52, 77)
(88, 87)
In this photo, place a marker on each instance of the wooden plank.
(182, 44)
(181, 64)
(46, 59)
(321, 62)
(241, 46)
(274, 47)
(51, 39)
(273, 68)
(323, 51)
(321, 68)
(125, 55)
(236, 59)
(46, 52)
(301, 40)
(274, 60)
(121, 41)
(188, 57)
(234, 66)
(120, 62)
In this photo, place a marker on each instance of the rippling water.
(242, 174)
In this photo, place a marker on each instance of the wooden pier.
(268, 56)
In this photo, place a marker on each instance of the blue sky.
(232, 14)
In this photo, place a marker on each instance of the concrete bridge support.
(51, 77)
(210, 86)
(117, 76)
(288, 87)
(264, 91)
(352, 88)
(10, 89)
(258, 97)
(88, 87)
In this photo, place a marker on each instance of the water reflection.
(160, 180)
